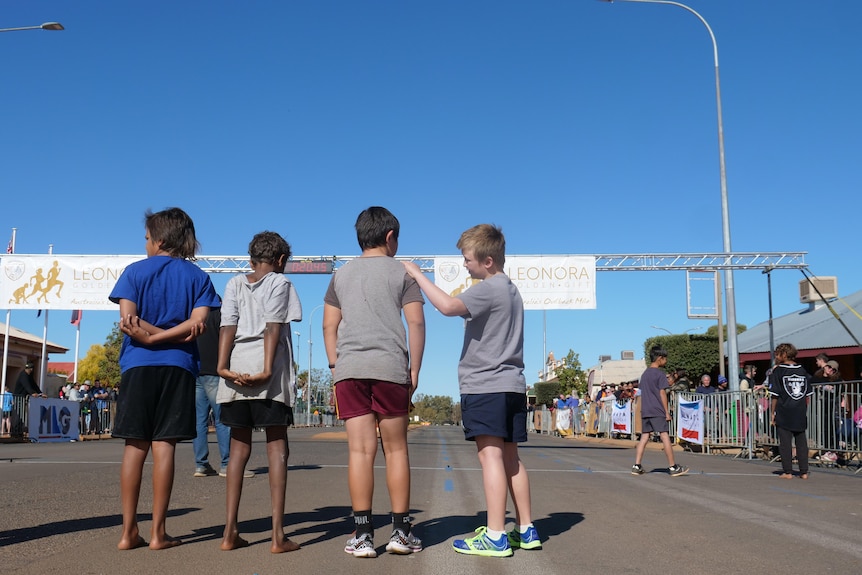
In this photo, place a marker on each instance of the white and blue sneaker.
(527, 540)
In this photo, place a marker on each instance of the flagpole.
(11, 250)
(77, 343)
(44, 362)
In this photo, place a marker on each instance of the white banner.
(689, 421)
(545, 282)
(53, 420)
(564, 419)
(622, 417)
(60, 282)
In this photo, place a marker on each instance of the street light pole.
(729, 294)
(308, 379)
(45, 26)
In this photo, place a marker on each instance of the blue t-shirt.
(165, 291)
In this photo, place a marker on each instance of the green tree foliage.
(571, 377)
(109, 365)
(88, 366)
(698, 353)
(546, 392)
(436, 409)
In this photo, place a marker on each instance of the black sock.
(401, 521)
(362, 520)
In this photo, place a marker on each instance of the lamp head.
(52, 26)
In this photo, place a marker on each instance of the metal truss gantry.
(604, 262)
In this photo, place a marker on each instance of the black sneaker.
(637, 469)
(677, 470)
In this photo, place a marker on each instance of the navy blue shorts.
(496, 414)
(251, 413)
(156, 403)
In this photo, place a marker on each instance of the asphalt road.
(60, 512)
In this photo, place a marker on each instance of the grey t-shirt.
(372, 340)
(653, 382)
(250, 306)
(492, 359)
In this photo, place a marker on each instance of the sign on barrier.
(53, 420)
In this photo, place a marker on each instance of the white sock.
(495, 535)
(523, 528)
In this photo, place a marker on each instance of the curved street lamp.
(45, 26)
(729, 295)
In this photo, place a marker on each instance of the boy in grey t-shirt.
(375, 367)
(493, 388)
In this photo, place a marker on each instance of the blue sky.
(579, 127)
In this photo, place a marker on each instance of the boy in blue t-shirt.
(492, 386)
(164, 302)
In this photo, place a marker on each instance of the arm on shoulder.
(445, 304)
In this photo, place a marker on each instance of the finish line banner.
(545, 282)
(60, 282)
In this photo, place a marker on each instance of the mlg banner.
(60, 282)
(53, 420)
(545, 282)
(621, 417)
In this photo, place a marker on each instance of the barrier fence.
(96, 417)
(733, 422)
(738, 422)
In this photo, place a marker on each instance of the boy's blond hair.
(484, 241)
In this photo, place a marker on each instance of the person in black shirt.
(25, 384)
(790, 387)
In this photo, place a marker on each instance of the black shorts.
(156, 403)
(251, 413)
(496, 414)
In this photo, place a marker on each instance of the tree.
(697, 353)
(109, 365)
(572, 379)
(436, 409)
(88, 367)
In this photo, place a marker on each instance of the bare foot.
(786, 476)
(231, 542)
(166, 543)
(803, 476)
(285, 546)
(131, 543)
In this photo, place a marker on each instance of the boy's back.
(250, 306)
(372, 342)
(492, 359)
(653, 382)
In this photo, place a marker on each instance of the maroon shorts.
(355, 397)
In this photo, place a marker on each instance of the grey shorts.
(656, 424)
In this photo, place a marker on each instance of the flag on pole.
(9, 247)
(76, 317)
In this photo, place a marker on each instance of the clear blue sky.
(579, 127)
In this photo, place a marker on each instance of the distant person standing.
(25, 384)
(705, 386)
(655, 415)
(206, 390)
(790, 388)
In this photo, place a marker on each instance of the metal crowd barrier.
(96, 418)
(741, 423)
